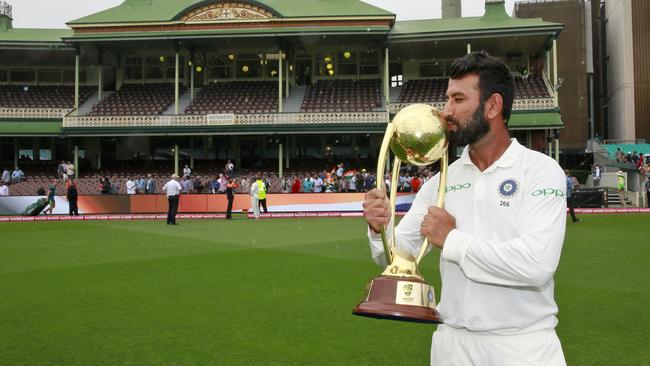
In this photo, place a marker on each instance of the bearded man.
(500, 233)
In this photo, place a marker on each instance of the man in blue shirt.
(570, 186)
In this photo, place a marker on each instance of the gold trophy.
(416, 136)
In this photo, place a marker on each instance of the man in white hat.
(173, 191)
(620, 185)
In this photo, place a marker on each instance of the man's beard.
(474, 129)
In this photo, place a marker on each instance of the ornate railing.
(225, 119)
(33, 112)
(539, 104)
(396, 107)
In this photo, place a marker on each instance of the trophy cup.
(416, 136)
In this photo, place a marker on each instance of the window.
(154, 67)
(49, 76)
(44, 154)
(396, 81)
(26, 154)
(432, 69)
(23, 75)
(369, 63)
(133, 68)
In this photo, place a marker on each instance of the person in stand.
(130, 186)
(173, 191)
(647, 191)
(187, 171)
(150, 187)
(595, 174)
(230, 195)
(500, 237)
(4, 190)
(72, 197)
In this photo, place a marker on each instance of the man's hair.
(494, 77)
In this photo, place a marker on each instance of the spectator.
(308, 184)
(186, 172)
(6, 176)
(105, 185)
(198, 185)
(647, 192)
(61, 169)
(214, 185)
(595, 174)
(297, 184)
(318, 185)
(4, 190)
(186, 183)
(230, 169)
(223, 183)
(284, 186)
(70, 170)
(140, 185)
(416, 183)
(130, 186)
(352, 184)
(150, 187)
(17, 175)
(369, 182)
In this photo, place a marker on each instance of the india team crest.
(508, 188)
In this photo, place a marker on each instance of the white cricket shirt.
(497, 266)
(172, 188)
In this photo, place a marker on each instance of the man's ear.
(494, 106)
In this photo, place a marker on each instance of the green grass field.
(273, 292)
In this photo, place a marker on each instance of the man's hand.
(436, 225)
(376, 209)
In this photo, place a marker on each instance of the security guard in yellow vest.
(261, 195)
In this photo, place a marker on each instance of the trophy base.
(395, 298)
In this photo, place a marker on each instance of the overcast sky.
(55, 13)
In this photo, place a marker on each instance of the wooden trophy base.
(396, 298)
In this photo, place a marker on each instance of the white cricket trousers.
(255, 205)
(459, 347)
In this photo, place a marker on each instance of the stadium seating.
(42, 96)
(428, 90)
(424, 90)
(136, 100)
(343, 96)
(611, 149)
(236, 97)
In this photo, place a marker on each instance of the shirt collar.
(507, 158)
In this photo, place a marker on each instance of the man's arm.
(530, 258)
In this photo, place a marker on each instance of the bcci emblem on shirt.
(508, 188)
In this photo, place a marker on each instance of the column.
(286, 78)
(280, 170)
(100, 75)
(280, 82)
(192, 78)
(76, 161)
(557, 147)
(192, 152)
(386, 77)
(469, 48)
(15, 152)
(288, 152)
(555, 72)
(99, 154)
(76, 80)
(176, 159)
(176, 84)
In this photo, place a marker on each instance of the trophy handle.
(381, 166)
(442, 186)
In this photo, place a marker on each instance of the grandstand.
(146, 87)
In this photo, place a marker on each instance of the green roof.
(535, 120)
(495, 20)
(207, 33)
(30, 127)
(34, 35)
(134, 11)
